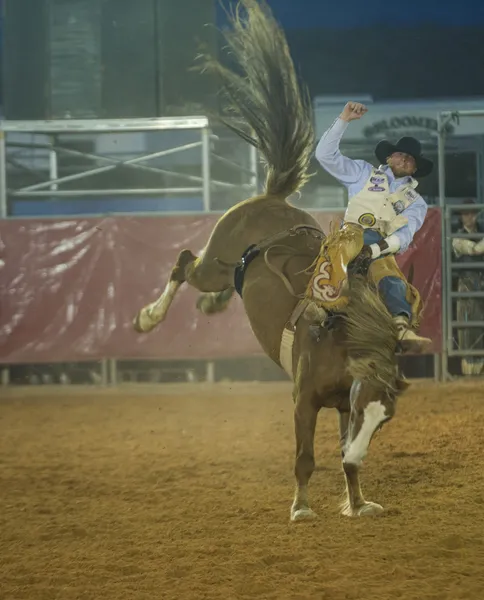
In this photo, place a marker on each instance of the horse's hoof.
(137, 325)
(143, 323)
(368, 509)
(210, 303)
(207, 304)
(303, 514)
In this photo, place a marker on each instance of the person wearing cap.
(384, 201)
(468, 224)
(467, 250)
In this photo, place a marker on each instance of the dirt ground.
(183, 492)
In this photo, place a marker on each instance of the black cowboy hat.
(407, 145)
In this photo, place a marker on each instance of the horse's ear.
(402, 384)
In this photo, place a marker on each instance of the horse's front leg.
(356, 431)
(305, 418)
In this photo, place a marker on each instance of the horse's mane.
(371, 337)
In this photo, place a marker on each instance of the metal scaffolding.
(202, 184)
(449, 324)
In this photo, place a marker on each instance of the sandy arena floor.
(184, 493)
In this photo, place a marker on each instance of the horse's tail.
(264, 90)
(371, 338)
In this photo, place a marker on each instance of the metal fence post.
(443, 248)
(206, 184)
(3, 177)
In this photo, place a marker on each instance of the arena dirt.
(183, 492)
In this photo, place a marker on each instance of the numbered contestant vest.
(375, 207)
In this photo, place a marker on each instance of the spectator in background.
(472, 280)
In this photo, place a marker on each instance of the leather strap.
(287, 340)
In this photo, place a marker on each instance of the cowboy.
(384, 202)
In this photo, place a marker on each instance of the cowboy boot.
(409, 341)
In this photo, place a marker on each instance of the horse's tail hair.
(371, 338)
(265, 92)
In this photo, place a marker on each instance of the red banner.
(425, 254)
(70, 288)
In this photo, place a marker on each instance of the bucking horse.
(309, 299)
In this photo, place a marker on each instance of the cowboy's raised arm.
(346, 170)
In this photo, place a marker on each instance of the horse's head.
(371, 407)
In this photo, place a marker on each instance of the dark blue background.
(336, 14)
(389, 49)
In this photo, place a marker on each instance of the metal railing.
(449, 324)
(51, 187)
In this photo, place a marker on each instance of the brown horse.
(347, 362)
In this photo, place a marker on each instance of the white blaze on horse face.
(356, 450)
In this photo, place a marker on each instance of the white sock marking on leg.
(158, 309)
(373, 415)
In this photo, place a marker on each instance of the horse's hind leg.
(305, 418)
(214, 302)
(204, 275)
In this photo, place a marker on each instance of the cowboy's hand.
(352, 111)
(366, 253)
(362, 262)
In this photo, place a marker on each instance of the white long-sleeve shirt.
(354, 174)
